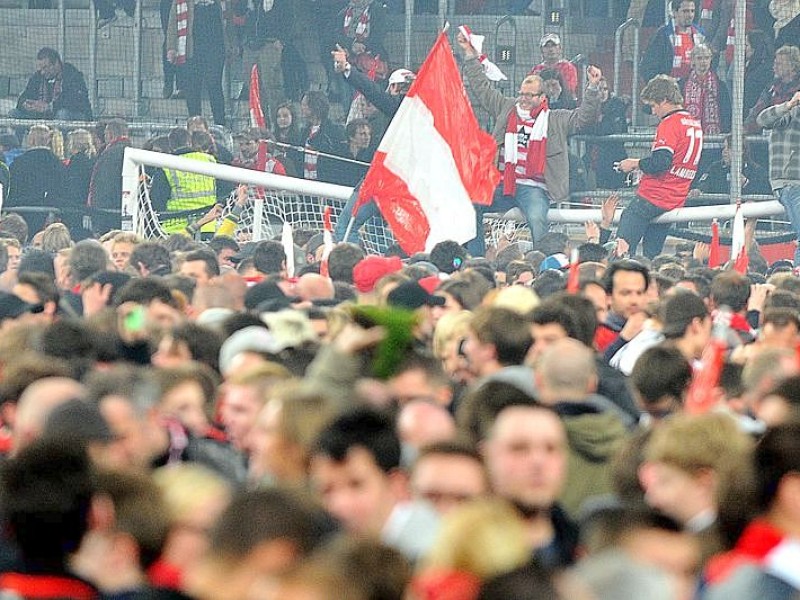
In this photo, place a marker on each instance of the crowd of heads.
(425, 425)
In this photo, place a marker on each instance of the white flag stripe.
(422, 158)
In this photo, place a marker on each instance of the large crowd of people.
(207, 417)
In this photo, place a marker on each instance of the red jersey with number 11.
(680, 133)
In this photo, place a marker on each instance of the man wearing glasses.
(535, 157)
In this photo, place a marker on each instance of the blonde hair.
(661, 88)
(80, 140)
(126, 237)
(38, 136)
(792, 53)
(700, 49)
(6, 242)
(532, 79)
(188, 487)
(693, 443)
(304, 413)
(57, 143)
(56, 237)
(518, 298)
(449, 328)
(485, 537)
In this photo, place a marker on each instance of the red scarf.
(356, 28)
(182, 11)
(763, 545)
(536, 149)
(731, 39)
(701, 99)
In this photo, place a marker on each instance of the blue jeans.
(364, 214)
(636, 223)
(789, 197)
(532, 201)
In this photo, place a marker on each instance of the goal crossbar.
(313, 194)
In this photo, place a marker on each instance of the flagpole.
(349, 228)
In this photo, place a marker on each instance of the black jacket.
(326, 140)
(74, 95)
(377, 95)
(37, 179)
(105, 186)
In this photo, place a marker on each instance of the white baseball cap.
(401, 76)
(550, 37)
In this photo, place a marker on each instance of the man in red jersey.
(667, 172)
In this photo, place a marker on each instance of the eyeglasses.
(529, 96)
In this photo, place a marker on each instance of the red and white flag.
(434, 160)
(739, 256)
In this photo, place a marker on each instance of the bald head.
(566, 371)
(37, 402)
(421, 423)
(313, 286)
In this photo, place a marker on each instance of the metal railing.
(635, 25)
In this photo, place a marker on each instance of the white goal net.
(267, 200)
(272, 200)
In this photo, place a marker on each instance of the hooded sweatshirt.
(594, 435)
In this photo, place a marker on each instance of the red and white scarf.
(525, 160)
(730, 41)
(707, 10)
(763, 545)
(682, 44)
(182, 12)
(701, 99)
(356, 20)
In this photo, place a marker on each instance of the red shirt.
(682, 134)
(567, 70)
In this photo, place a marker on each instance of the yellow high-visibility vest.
(190, 191)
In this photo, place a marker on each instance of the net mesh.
(265, 210)
(262, 216)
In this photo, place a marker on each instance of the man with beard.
(253, 153)
(526, 456)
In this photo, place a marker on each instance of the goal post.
(275, 199)
(272, 199)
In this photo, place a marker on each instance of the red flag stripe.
(256, 112)
(714, 257)
(474, 150)
(399, 207)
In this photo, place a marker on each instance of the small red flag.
(714, 259)
(256, 112)
(572, 278)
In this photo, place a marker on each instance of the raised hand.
(339, 59)
(608, 209)
(593, 75)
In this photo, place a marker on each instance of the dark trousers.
(170, 70)
(204, 68)
(636, 224)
